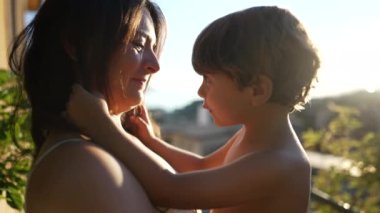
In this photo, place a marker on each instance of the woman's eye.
(138, 46)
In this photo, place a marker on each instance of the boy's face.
(227, 104)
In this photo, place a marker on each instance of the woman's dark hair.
(72, 41)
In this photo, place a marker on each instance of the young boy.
(257, 66)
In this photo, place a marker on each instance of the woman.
(108, 46)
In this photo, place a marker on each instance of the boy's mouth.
(205, 106)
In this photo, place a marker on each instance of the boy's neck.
(269, 126)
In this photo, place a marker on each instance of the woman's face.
(131, 66)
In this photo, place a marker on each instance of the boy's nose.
(201, 91)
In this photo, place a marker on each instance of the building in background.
(12, 21)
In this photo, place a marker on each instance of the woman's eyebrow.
(145, 35)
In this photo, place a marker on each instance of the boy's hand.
(87, 111)
(140, 125)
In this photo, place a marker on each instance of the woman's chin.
(121, 109)
(126, 105)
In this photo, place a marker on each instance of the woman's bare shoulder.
(83, 177)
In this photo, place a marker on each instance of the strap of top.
(48, 151)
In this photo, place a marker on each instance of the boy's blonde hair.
(260, 40)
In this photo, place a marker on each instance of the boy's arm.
(253, 176)
(180, 159)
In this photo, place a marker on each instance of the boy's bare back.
(287, 191)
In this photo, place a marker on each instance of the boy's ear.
(261, 90)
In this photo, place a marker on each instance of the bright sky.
(346, 32)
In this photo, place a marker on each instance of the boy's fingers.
(137, 120)
(144, 110)
(144, 113)
(132, 124)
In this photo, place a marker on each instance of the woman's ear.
(261, 90)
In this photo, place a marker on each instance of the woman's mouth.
(139, 81)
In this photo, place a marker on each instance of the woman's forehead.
(146, 27)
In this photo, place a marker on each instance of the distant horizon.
(178, 107)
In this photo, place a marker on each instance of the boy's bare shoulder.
(278, 157)
(277, 166)
(278, 175)
(287, 159)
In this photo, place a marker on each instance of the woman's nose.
(152, 65)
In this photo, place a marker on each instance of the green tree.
(16, 149)
(359, 182)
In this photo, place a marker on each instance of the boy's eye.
(206, 79)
